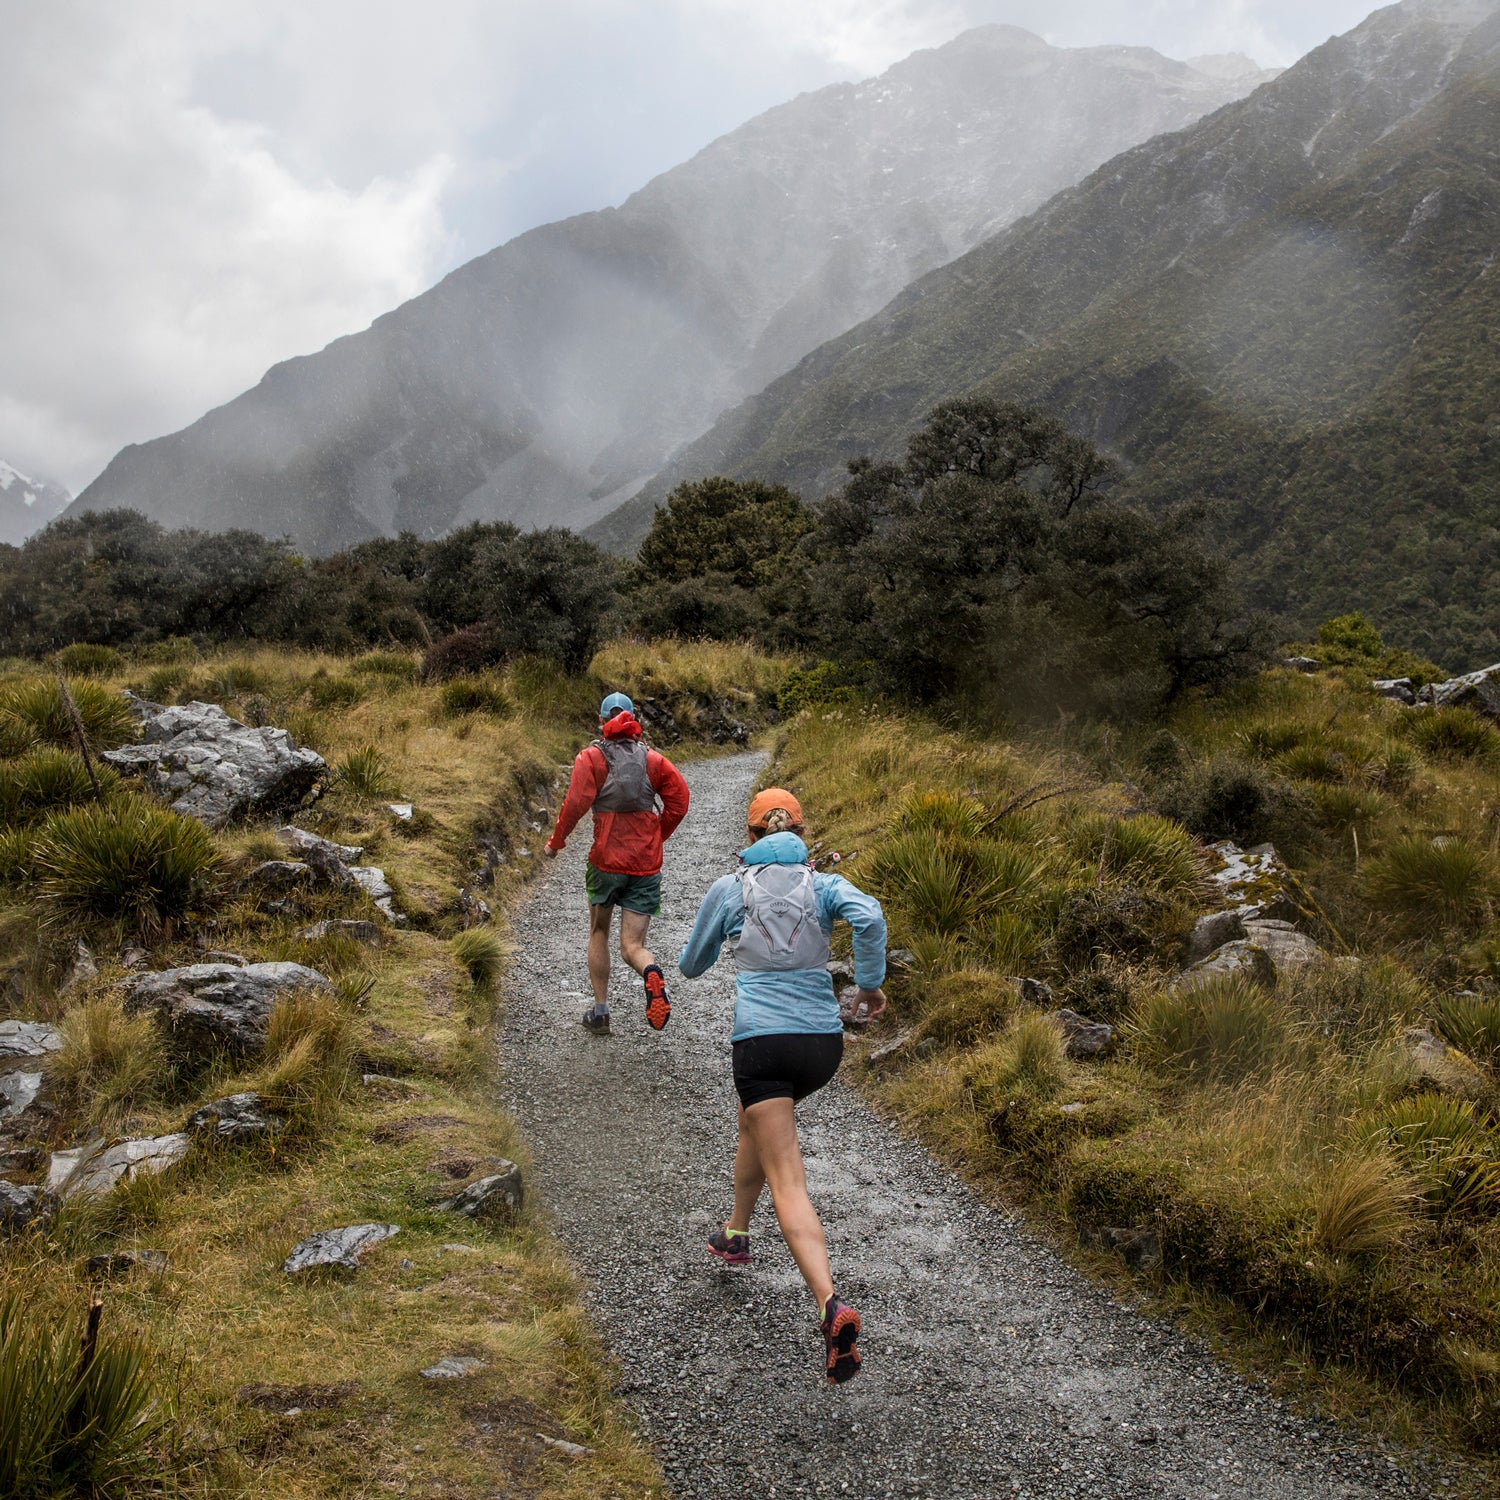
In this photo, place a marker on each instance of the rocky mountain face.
(544, 382)
(27, 504)
(1290, 309)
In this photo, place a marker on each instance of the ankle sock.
(743, 1234)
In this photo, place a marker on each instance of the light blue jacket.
(801, 1000)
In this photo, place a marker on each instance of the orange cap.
(764, 803)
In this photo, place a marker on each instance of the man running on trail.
(788, 1038)
(620, 779)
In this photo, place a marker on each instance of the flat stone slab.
(211, 1006)
(349, 927)
(24, 1042)
(300, 841)
(453, 1367)
(94, 1169)
(236, 1117)
(1240, 957)
(18, 1092)
(337, 1247)
(373, 882)
(213, 768)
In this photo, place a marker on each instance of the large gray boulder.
(212, 767)
(1239, 957)
(95, 1168)
(206, 1007)
(1282, 943)
(1402, 689)
(1479, 691)
(24, 1044)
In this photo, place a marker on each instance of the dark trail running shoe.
(732, 1249)
(840, 1328)
(658, 1007)
(596, 1021)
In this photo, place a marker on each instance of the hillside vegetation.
(1310, 1155)
(252, 1381)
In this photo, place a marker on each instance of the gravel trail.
(991, 1368)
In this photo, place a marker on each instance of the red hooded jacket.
(625, 843)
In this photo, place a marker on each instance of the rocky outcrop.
(236, 1117)
(1445, 1068)
(95, 1168)
(23, 1044)
(213, 768)
(1083, 1038)
(1238, 957)
(498, 1196)
(337, 1247)
(19, 1093)
(24, 1208)
(1479, 691)
(207, 1007)
(1282, 943)
(1402, 689)
(1254, 882)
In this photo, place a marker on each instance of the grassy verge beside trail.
(260, 1383)
(1316, 1187)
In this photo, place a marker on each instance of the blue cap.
(615, 703)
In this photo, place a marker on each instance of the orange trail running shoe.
(840, 1328)
(658, 1007)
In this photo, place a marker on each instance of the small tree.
(736, 528)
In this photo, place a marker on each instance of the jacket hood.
(776, 849)
(622, 727)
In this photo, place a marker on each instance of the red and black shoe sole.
(658, 1007)
(843, 1357)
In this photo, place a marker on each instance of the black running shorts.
(787, 1065)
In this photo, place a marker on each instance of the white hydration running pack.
(781, 930)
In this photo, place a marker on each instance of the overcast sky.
(191, 190)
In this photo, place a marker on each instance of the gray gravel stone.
(992, 1368)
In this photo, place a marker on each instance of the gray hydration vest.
(781, 930)
(627, 787)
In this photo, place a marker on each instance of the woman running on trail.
(788, 1039)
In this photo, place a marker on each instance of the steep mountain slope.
(27, 504)
(1290, 307)
(544, 381)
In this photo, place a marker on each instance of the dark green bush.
(821, 684)
(1233, 798)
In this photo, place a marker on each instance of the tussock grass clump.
(1453, 734)
(1446, 1147)
(133, 863)
(482, 954)
(17, 855)
(110, 1063)
(1147, 850)
(234, 679)
(84, 659)
(1423, 880)
(967, 1006)
(32, 713)
(310, 1047)
(396, 666)
(1354, 999)
(472, 695)
(365, 774)
(47, 780)
(1361, 1206)
(334, 692)
(1029, 1057)
(1224, 1026)
(1343, 807)
(1472, 1024)
(163, 684)
(939, 813)
(714, 669)
(71, 1424)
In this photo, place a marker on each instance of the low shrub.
(1110, 921)
(236, 679)
(365, 774)
(71, 1424)
(132, 863)
(110, 1064)
(32, 713)
(1472, 1024)
(468, 695)
(85, 659)
(461, 654)
(967, 1006)
(171, 648)
(482, 954)
(1452, 734)
(1224, 1026)
(822, 684)
(1422, 880)
(1233, 798)
(1030, 1057)
(1360, 1206)
(48, 780)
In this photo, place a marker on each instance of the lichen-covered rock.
(337, 1247)
(24, 1208)
(277, 876)
(94, 1169)
(1286, 947)
(206, 1007)
(1083, 1038)
(211, 767)
(1254, 882)
(23, 1044)
(497, 1196)
(1239, 957)
(236, 1117)
(1446, 1068)
(358, 931)
(19, 1093)
(1211, 932)
(1479, 691)
(1402, 689)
